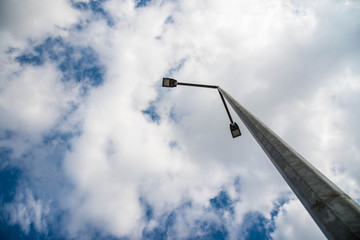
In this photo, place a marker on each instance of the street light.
(234, 128)
(169, 82)
(335, 213)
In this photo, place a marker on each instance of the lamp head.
(169, 82)
(235, 130)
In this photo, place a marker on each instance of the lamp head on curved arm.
(169, 82)
(235, 130)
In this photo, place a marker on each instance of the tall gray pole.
(337, 215)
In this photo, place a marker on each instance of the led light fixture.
(235, 130)
(169, 82)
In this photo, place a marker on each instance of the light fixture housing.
(235, 130)
(169, 82)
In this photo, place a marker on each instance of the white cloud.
(34, 18)
(121, 158)
(292, 223)
(27, 210)
(32, 101)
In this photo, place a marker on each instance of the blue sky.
(91, 146)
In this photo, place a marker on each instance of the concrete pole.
(336, 214)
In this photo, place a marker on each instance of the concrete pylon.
(336, 214)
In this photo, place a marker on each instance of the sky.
(92, 147)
